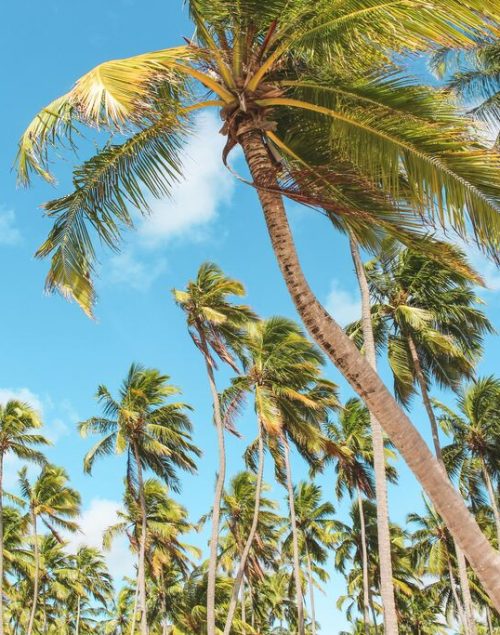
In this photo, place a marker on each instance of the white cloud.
(206, 185)
(127, 268)
(21, 394)
(99, 515)
(344, 306)
(9, 233)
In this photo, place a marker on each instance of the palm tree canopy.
(352, 136)
(18, 421)
(142, 422)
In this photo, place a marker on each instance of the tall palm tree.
(18, 425)
(92, 580)
(475, 430)
(315, 527)
(153, 433)
(429, 313)
(52, 501)
(312, 94)
(215, 324)
(291, 400)
(355, 477)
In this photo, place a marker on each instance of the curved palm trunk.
(295, 539)
(1, 545)
(383, 530)
(36, 581)
(251, 536)
(219, 489)
(468, 607)
(242, 600)
(310, 583)
(493, 499)
(364, 563)
(364, 380)
(141, 571)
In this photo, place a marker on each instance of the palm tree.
(92, 580)
(355, 476)
(312, 94)
(18, 423)
(49, 499)
(291, 400)
(315, 525)
(429, 314)
(215, 325)
(475, 79)
(475, 430)
(154, 434)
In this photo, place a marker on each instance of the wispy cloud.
(21, 394)
(9, 233)
(195, 200)
(344, 306)
(98, 516)
(127, 268)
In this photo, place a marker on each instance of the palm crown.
(347, 133)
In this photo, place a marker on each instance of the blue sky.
(55, 357)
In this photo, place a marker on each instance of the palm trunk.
(78, 612)
(364, 562)
(493, 500)
(295, 539)
(310, 583)
(251, 536)
(382, 508)
(466, 594)
(454, 592)
(141, 571)
(1, 545)
(219, 490)
(36, 580)
(242, 600)
(484, 559)
(134, 612)
(468, 606)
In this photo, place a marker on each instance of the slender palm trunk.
(36, 581)
(134, 612)
(310, 582)
(364, 563)
(78, 613)
(488, 621)
(295, 539)
(141, 569)
(242, 599)
(484, 559)
(1, 545)
(468, 606)
(251, 535)
(383, 530)
(219, 489)
(456, 597)
(493, 499)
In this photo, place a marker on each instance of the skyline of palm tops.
(256, 534)
(313, 95)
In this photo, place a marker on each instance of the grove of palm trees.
(275, 460)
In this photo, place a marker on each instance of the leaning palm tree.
(215, 324)
(53, 502)
(18, 425)
(153, 433)
(282, 372)
(312, 94)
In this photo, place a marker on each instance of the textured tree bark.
(251, 536)
(493, 499)
(141, 571)
(364, 564)
(383, 529)
(219, 489)
(295, 540)
(470, 621)
(36, 581)
(364, 380)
